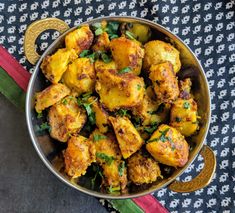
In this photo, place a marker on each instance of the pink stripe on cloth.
(150, 204)
(14, 69)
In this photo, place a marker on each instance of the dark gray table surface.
(26, 185)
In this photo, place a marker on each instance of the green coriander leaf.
(186, 105)
(45, 126)
(98, 31)
(106, 59)
(124, 70)
(153, 140)
(39, 115)
(64, 101)
(138, 87)
(122, 112)
(113, 25)
(97, 137)
(130, 35)
(114, 189)
(87, 95)
(121, 168)
(106, 158)
(112, 36)
(178, 119)
(163, 138)
(84, 53)
(151, 129)
(78, 27)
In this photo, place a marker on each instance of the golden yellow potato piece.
(115, 175)
(80, 76)
(66, 118)
(79, 39)
(129, 139)
(127, 53)
(157, 52)
(184, 116)
(119, 90)
(185, 88)
(164, 82)
(147, 111)
(100, 66)
(54, 66)
(108, 155)
(79, 154)
(142, 169)
(168, 146)
(101, 116)
(102, 43)
(50, 96)
(141, 32)
(106, 145)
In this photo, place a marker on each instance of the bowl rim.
(28, 109)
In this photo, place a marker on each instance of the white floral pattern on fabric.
(208, 27)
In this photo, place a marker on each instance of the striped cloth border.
(13, 85)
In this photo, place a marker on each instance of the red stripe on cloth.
(14, 69)
(150, 204)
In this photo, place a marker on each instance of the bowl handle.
(204, 177)
(34, 30)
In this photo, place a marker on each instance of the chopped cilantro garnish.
(121, 168)
(97, 171)
(64, 101)
(106, 158)
(186, 105)
(150, 129)
(113, 36)
(114, 189)
(123, 112)
(39, 115)
(106, 58)
(124, 70)
(178, 119)
(130, 35)
(84, 53)
(97, 137)
(44, 126)
(97, 25)
(138, 87)
(98, 31)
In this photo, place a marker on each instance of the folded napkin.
(13, 85)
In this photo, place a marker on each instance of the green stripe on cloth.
(125, 206)
(11, 90)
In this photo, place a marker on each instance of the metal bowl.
(49, 150)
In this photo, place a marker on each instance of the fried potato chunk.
(108, 155)
(147, 111)
(127, 53)
(164, 82)
(54, 66)
(79, 39)
(79, 154)
(80, 76)
(50, 96)
(142, 169)
(129, 139)
(119, 90)
(157, 52)
(102, 43)
(184, 116)
(185, 88)
(168, 146)
(101, 116)
(66, 118)
(100, 66)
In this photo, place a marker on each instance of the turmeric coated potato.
(66, 118)
(157, 52)
(168, 146)
(79, 39)
(100, 66)
(101, 116)
(184, 116)
(79, 154)
(142, 169)
(119, 90)
(128, 138)
(185, 88)
(147, 111)
(54, 66)
(108, 155)
(127, 53)
(102, 43)
(50, 96)
(164, 82)
(80, 76)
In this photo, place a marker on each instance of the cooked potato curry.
(116, 103)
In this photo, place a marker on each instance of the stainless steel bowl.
(49, 150)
